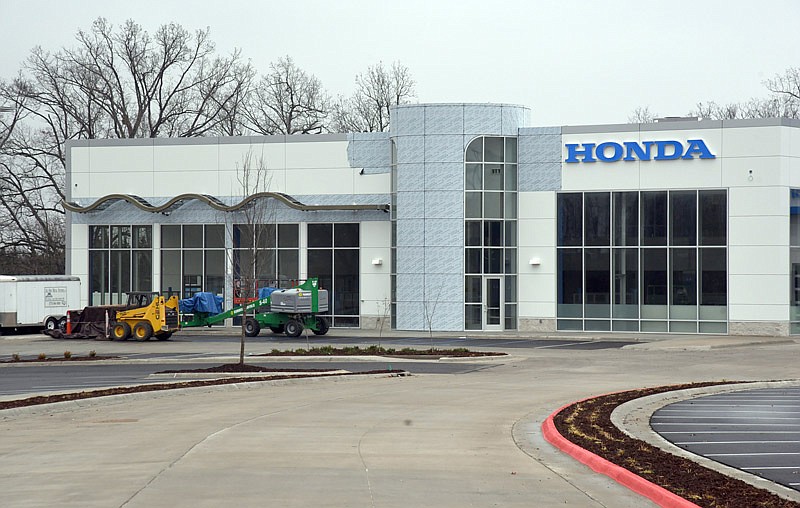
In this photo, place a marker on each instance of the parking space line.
(561, 345)
(749, 454)
(729, 424)
(748, 418)
(732, 442)
(731, 432)
(770, 468)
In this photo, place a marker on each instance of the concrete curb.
(636, 483)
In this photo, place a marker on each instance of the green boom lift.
(286, 311)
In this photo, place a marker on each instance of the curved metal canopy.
(176, 202)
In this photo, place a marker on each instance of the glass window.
(472, 233)
(320, 235)
(570, 219)
(511, 176)
(242, 236)
(493, 205)
(345, 235)
(475, 150)
(142, 237)
(120, 272)
(713, 277)
(493, 260)
(98, 237)
(320, 265)
(472, 317)
(511, 289)
(511, 150)
(597, 218)
(170, 237)
(472, 289)
(570, 283)
(288, 265)
(472, 260)
(598, 282)
(683, 218)
(171, 270)
(683, 264)
(193, 237)
(215, 271)
(120, 237)
(98, 277)
(472, 205)
(714, 217)
(493, 233)
(511, 233)
(626, 218)
(474, 177)
(142, 270)
(215, 235)
(626, 283)
(654, 218)
(510, 263)
(511, 205)
(654, 277)
(346, 299)
(493, 177)
(266, 270)
(493, 149)
(192, 272)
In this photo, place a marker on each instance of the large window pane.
(472, 289)
(345, 235)
(142, 270)
(511, 233)
(142, 237)
(511, 289)
(714, 277)
(493, 260)
(170, 270)
(597, 218)
(511, 177)
(683, 265)
(242, 236)
(475, 150)
(511, 149)
(192, 272)
(215, 236)
(170, 237)
(121, 238)
(570, 219)
(472, 317)
(345, 282)
(472, 260)
(215, 271)
(98, 277)
(598, 282)
(265, 236)
(474, 177)
(493, 177)
(683, 218)
(510, 263)
(472, 233)
(626, 284)
(472, 205)
(98, 237)
(493, 149)
(266, 267)
(626, 218)
(493, 233)
(654, 218)
(654, 277)
(320, 265)
(288, 266)
(193, 237)
(511, 205)
(714, 217)
(120, 274)
(288, 235)
(570, 283)
(320, 235)
(493, 205)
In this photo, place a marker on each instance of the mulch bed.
(387, 352)
(63, 397)
(232, 368)
(588, 425)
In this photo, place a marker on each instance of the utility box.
(296, 300)
(37, 300)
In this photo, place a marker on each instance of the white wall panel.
(764, 230)
(310, 155)
(114, 159)
(139, 183)
(752, 141)
(79, 158)
(758, 289)
(532, 310)
(746, 201)
(680, 174)
(546, 256)
(376, 234)
(80, 186)
(234, 156)
(758, 260)
(753, 172)
(320, 181)
(537, 287)
(536, 232)
(600, 175)
(759, 313)
(185, 157)
(372, 184)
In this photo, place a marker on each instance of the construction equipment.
(288, 311)
(146, 315)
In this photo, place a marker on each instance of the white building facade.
(463, 217)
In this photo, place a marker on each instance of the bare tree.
(642, 114)
(377, 90)
(286, 101)
(255, 229)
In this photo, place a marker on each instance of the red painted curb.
(634, 482)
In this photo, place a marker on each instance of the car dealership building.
(462, 217)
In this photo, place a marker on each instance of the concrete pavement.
(462, 440)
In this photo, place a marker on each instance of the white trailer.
(37, 300)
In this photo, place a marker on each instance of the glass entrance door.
(493, 304)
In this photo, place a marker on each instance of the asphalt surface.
(757, 431)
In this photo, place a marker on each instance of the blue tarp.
(201, 302)
(265, 292)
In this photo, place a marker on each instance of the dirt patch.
(232, 368)
(588, 425)
(60, 359)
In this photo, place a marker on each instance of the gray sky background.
(571, 62)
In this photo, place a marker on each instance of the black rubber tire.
(164, 336)
(62, 324)
(142, 331)
(51, 323)
(322, 326)
(120, 331)
(277, 329)
(251, 327)
(293, 328)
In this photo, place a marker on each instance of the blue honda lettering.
(642, 154)
(697, 146)
(661, 152)
(601, 151)
(586, 153)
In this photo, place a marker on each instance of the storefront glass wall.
(794, 253)
(651, 261)
(120, 260)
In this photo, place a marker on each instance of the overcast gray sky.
(570, 61)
